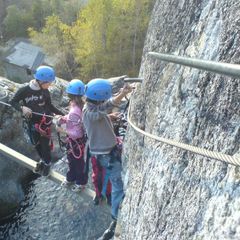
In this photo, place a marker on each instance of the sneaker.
(113, 225)
(46, 170)
(109, 233)
(39, 167)
(66, 183)
(77, 188)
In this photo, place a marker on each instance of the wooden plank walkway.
(87, 194)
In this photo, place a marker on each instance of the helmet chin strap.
(39, 83)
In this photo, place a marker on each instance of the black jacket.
(37, 100)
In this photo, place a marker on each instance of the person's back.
(102, 139)
(99, 127)
(73, 120)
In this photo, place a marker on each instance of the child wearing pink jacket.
(76, 137)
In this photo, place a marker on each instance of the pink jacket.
(73, 120)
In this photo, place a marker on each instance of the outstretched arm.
(122, 93)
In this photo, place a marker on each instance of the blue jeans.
(115, 178)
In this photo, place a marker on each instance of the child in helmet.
(35, 97)
(76, 137)
(102, 139)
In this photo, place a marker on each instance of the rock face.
(171, 193)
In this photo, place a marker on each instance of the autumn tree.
(55, 38)
(109, 36)
(105, 40)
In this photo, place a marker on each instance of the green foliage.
(109, 36)
(100, 38)
(55, 38)
(40, 10)
(16, 22)
(32, 13)
(2, 72)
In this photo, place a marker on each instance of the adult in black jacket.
(35, 97)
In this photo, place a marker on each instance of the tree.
(105, 40)
(55, 38)
(23, 14)
(16, 22)
(40, 10)
(109, 36)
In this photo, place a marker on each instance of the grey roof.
(25, 55)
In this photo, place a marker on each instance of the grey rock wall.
(173, 194)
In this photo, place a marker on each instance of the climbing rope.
(222, 68)
(36, 113)
(200, 151)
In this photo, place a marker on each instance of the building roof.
(26, 55)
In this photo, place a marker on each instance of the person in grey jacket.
(101, 136)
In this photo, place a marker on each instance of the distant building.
(21, 60)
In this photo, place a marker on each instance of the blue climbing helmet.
(44, 74)
(75, 87)
(98, 90)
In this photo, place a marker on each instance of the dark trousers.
(42, 145)
(76, 172)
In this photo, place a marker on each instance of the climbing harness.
(120, 126)
(28, 129)
(76, 147)
(44, 127)
(102, 182)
